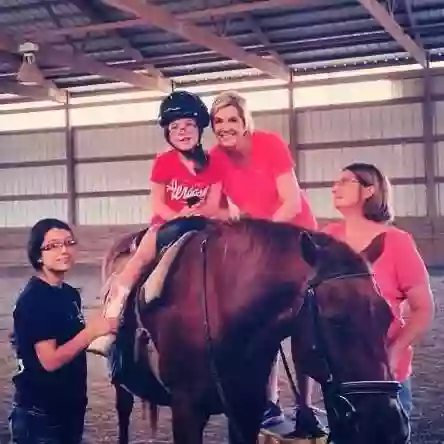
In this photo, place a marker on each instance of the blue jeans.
(405, 396)
(35, 426)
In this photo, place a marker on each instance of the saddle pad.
(153, 286)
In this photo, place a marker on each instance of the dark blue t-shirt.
(44, 312)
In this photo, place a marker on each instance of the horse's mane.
(261, 236)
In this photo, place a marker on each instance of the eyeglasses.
(188, 126)
(68, 243)
(342, 182)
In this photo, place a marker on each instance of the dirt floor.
(101, 427)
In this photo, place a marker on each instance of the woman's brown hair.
(376, 207)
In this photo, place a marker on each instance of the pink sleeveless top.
(399, 268)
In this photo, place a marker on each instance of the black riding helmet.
(182, 105)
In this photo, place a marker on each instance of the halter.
(341, 412)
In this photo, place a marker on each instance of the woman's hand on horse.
(101, 326)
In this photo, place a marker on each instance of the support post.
(70, 168)
(428, 117)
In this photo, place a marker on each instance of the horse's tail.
(154, 416)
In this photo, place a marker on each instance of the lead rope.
(209, 346)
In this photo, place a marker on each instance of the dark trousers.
(35, 426)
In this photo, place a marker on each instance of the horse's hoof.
(307, 425)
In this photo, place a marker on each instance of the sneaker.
(273, 415)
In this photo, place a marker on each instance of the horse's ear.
(374, 250)
(310, 250)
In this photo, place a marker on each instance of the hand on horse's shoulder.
(99, 325)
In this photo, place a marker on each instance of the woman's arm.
(52, 357)
(413, 281)
(421, 305)
(290, 195)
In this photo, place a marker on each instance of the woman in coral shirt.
(361, 195)
(258, 177)
(258, 169)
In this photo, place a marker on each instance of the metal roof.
(297, 36)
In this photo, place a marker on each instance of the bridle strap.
(320, 339)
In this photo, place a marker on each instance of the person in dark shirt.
(50, 339)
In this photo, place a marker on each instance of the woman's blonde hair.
(232, 98)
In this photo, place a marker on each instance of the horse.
(234, 292)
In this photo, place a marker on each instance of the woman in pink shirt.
(361, 195)
(258, 177)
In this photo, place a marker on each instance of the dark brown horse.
(234, 293)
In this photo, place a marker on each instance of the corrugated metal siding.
(278, 123)
(374, 122)
(407, 200)
(115, 114)
(32, 146)
(440, 198)
(118, 141)
(33, 120)
(440, 159)
(395, 160)
(27, 213)
(356, 92)
(439, 118)
(113, 176)
(114, 210)
(438, 85)
(33, 180)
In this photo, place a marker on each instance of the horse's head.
(345, 321)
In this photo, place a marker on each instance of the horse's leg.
(245, 425)
(124, 406)
(188, 423)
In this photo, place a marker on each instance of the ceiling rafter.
(191, 15)
(66, 58)
(85, 7)
(262, 37)
(37, 92)
(161, 18)
(385, 19)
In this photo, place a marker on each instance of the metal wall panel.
(118, 140)
(32, 120)
(371, 122)
(33, 180)
(27, 213)
(440, 158)
(113, 176)
(356, 92)
(407, 200)
(394, 160)
(27, 147)
(438, 85)
(114, 210)
(440, 198)
(439, 118)
(274, 122)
